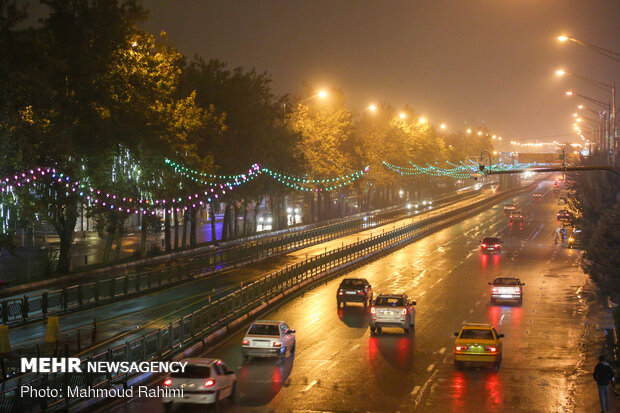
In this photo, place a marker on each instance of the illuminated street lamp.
(402, 115)
(443, 126)
(479, 133)
(468, 131)
(422, 120)
(605, 52)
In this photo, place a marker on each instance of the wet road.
(124, 320)
(339, 367)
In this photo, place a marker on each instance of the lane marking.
(442, 350)
(429, 368)
(331, 366)
(355, 347)
(422, 293)
(477, 302)
(311, 385)
(471, 310)
(415, 390)
(421, 392)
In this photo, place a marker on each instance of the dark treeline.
(87, 92)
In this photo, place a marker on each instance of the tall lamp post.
(607, 143)
(604, 86)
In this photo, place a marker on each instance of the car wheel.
(493, 302)
(496, 366)
(293, 348)
(344, 304)
(168, 406)
(246, 358)
(406, 330)
(372, 331)
(378, 330)
(231, 396)
(520, 301)
(458, 365)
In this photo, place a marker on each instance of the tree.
(602, 258)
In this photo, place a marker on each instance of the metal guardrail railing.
(92, 293)
(173, 338)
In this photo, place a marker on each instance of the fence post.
(79, 295)
(25, 308)
(5, 312)
(44, 303)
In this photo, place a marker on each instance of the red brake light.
(461, 348)
(373, 310)
(404, 312)
(277, 344)
(517, 289)
(362, 292)
(167, 382)
(340, 292)
(496, 245)
(491, 349)
(483, 245)
(209, 383)
(494, 290)
(245, 342)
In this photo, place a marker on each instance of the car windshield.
(506, 281)
(264, 330)
(491, 240)
(349, 283)
(193, 372)
(477, 334)
(389, 301)
(516, 213)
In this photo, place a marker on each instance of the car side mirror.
(500, 335)
(522, 283)
(490, 283)
(290, 331)
(229, 372)
(456, 334)
(413, 302)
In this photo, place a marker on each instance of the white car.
(204, 381)
(267, 338)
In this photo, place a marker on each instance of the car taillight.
(517, 289)
(167, 382)
(404, 312)
(373, 310)
(496, 245)
(362, 292)
(571, 239)
(340, 292)
(491, 349)
(483, 245)
(461, 348)
(245, 342)
(209, 383)
(277, 344)
(494, 290)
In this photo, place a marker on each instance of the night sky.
(490, 61)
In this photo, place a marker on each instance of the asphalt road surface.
(125, 320)
(339, 367)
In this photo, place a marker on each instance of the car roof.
(478, 326)
(268, 322)
(201, 361)
(391, 295)
(505, 278)
(490, 238)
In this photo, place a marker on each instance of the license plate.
(506, 296)
(490, 248)
(390, 313)
(261, 343)
(350, 292)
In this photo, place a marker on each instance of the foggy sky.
(453, 61)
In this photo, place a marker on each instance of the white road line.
(313, 321)
(429, 368)
(471, 311)
(422, 293)
(415, 390)
(442, 350)
(355, 347)
(424, 386)
(331, 366)
(477, 302)
(311, 385)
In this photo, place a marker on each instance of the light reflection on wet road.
(338, 366)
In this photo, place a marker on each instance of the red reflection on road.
(494, 390)
(404, 351)
(516, 316)
(276, 380)
(373, 350)
(495, 260)
(484, 259)
(458, 391)
(495, 313)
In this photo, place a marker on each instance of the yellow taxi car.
(478, 343)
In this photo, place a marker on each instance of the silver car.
(268, 338)
(204, 381)
(392, 310)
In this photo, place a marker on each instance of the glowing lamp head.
(569, 93)
(443, 126)
(372, 108)
(560, 72)
(322, 94)
(562, 38)
(402, 116)
(422, 120)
